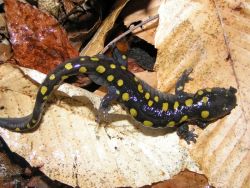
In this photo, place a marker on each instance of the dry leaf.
(37, 39)
(211, 37)
(140, 10)
(5, 51)
(96, 44)
(51, 6)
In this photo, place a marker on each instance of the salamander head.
(215, 103)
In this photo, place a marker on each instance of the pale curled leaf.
(212, 37)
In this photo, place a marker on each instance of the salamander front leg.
(119, 57)
(184, 78)
(184, 132)
(112, 95)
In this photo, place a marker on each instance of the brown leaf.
(184, 179)
(37, 39)
(5, 52)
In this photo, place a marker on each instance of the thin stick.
(127, 32)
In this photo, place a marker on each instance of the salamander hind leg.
(184, 78)
(112, 95)
(17, 124)
(184, 132)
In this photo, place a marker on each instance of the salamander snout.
(216, 102)
(231, 101)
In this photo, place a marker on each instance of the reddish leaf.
(37, 39)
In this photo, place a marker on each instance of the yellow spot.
(189, 102)
(44, 90)
(28, 126)
(100, 69)
(156, 98)
(124, 57)
(123, 67)
(17, 129)
(150, 103)
(119, 82)
(204, 99)
(200, 92)
(147, 123)
(117, 92)
(110, 78)
(133, 112)
(82, 59)
(136, 79)
(52, 77)
(125, 96)
(171, 124)
(208, 90)
(112, 66)
(165, 106)
(176, 105)
(68, 66)
(64, 77)
(180, 88)
(184, 118)
(147, 95)
(82, 70)
(140, 88)
(204, 114)
(33, 121)
(45, 98)
(94, 59)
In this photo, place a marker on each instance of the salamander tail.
(16, 124)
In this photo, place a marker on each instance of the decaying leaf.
(37, 39)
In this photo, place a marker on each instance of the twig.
(127, 32)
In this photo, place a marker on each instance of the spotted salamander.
(147, 105)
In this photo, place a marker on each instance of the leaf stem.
(128, 31)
